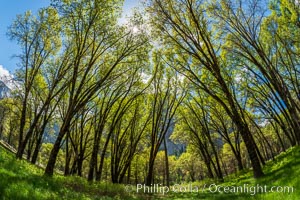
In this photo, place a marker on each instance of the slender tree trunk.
(68, 156)
(244, 130)
(28, 153)
(1, 130)
(22, 126)
(239, 161)
(209, 170)
(28, 135)
(80, 163)
(74, 166)
(237, 156)
(218, 170)
(93, 161)
(149, 178)
(94, 156)
(252, 151)
(128, 174)
(224, 167)
(54, 152)
(167, 163)
(37, 148)
(79, 167)
(99, 171)
(280, 140)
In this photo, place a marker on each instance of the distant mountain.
(7, 83)
(173, 149)
(4, 90)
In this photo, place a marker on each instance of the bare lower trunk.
(149, 177)
(22, 126)
(150, 174)
(54, 152)
(93, 162)
(252, 152)
(167, 163)
(37, 147)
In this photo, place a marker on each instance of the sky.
(8, 11)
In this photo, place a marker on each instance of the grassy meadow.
(21, 180)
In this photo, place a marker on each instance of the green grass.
(283, 171)
(21, 180)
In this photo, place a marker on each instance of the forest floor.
(21, 180)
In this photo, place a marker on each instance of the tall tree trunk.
(239, 161)
(237, 156)
(252, 151)
(54, 152)
(243, 128)
(22, 126)
(99, 171)
(167, 163)
(79, 167)
(128, 174)
(68, 156)
(218, 169)
(36, 150)
(22, 145)
(93, 160)
(94, 156)
(149, 178)
(207, 162)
